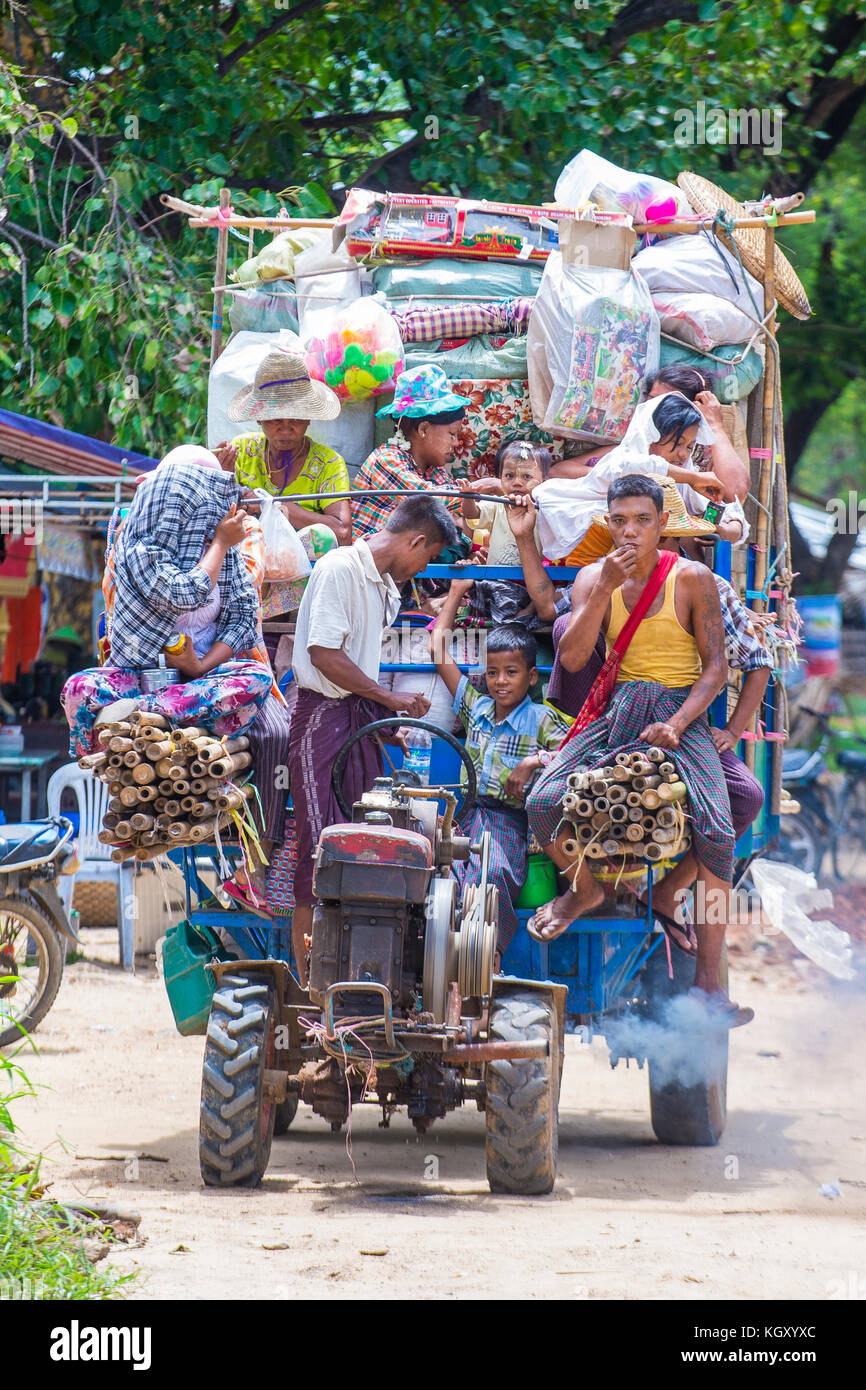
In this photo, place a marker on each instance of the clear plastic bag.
(788, 895)
(358, 351)
(593, 338)
(590, 179)
(285, 557)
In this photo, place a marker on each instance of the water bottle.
(419, 743)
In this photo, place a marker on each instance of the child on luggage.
(521, 465)
(509, 738)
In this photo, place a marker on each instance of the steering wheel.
(405, 776)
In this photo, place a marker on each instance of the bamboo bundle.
(632, 808)
(170, 787)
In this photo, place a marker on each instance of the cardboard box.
(406, 224)
(595, 243)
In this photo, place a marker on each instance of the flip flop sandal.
(682, 934)
(725, 1013)
(247, 899)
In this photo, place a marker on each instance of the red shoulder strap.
(666, 562)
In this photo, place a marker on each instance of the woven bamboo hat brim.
(680, 522)
(282, 390)
(706, 198)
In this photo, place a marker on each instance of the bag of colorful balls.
(356, 351)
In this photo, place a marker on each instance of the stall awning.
(46, 447)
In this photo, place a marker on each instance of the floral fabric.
(495, 411)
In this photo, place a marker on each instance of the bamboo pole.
(679, 227)
(671, 791)
(216, 336)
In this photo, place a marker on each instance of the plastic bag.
(590, 179)
(702, 320)
(236, 367)
(788, 895)
(264, 308)
(593, 338)
(357, 351)
(695, 264)
(277, 259)
(325, 279)
(285, 557)
(351, 434)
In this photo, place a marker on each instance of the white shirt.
(346, 605)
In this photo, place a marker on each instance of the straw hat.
(680, 522)
(282, 390)
(707, 198)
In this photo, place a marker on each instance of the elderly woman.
(281, 459)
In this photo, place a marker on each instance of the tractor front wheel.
(523, 1097)
(236, 1123)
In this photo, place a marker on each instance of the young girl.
(520, 466)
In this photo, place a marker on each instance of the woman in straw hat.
(281, 459)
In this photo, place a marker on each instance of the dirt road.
(628, 1218)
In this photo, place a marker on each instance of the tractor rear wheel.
(693, 1114)
(236, 1123)
(523, 1097)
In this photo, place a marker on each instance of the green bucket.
(540, 885)
(186, 951)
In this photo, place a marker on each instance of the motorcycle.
(34, 928)
(827, 811)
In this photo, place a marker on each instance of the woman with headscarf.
(658, 443)
(177, 575)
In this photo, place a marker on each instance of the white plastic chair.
(95, 858)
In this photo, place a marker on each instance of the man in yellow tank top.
(673, 668)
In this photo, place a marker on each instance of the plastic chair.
(95, 858)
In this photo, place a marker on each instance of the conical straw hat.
(680, 522)
(707, 198)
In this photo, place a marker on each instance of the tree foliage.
(105, 300)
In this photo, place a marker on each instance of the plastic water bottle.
(419, 743)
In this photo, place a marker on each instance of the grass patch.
(42, 1244)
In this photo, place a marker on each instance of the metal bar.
(496, 1051)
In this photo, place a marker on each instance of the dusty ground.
(628, 1218)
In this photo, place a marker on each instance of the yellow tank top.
(661, 649)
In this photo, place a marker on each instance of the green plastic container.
(186, 951)
(540, 886)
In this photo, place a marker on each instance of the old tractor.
(403, 1008)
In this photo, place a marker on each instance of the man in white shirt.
(353, 594)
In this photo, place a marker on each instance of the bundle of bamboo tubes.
(634, 809)
(168, 787)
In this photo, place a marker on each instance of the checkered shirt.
(496, 749)
(157, 571)
(391, 468)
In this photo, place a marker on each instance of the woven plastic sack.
(697, 264)
(593, 338)
(264, 309)
(430, 284)
(285, 557)
(729, 379)
(478, 359)
(590, 179)
(702, 320)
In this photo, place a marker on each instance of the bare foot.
(555, 917)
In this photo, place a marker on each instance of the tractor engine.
(388, 909)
